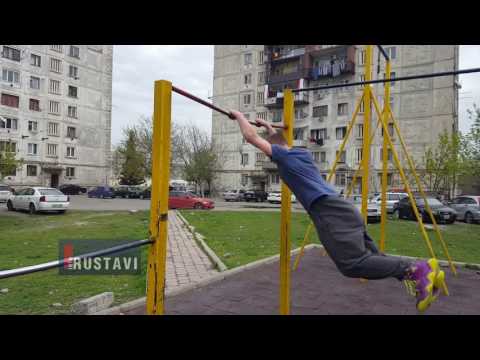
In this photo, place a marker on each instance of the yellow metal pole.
(422, 192)
(158, 230)
(285, 243)
(383, 213)
(404, 178)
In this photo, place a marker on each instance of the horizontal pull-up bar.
(214, 107)
(412, 77)
(57, 263)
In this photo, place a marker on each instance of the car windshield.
(431, 202)
(49, 192)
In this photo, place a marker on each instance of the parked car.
(101, 192)
(374, 211)
(442, 213)
(467, 208)
(234, 195)
(145, 193)
(38, 199)
(255, 195)
(5, 192)
(392, 199)
(127, 191)
(187, 200)
(71, 189)
(134, 192)
(275, 197)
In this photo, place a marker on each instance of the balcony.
(269, 165)
(276, 101)
(300, 143)
(285, 54)
(331, 71)
(272, 78)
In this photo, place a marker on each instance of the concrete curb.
(135, 304)
(199, 238)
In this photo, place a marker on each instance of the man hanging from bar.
(339, 224)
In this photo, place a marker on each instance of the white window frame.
(70, 172)
(54, 86)
(32, 126)
(52, 149)
(35, 79)
(72, 114)
(74, 132)
(53, 128)
(10, 75)
(32, 149)
(70, 152)
(10, 123)
(71, 53)
(55, 65)
(76, 91)
(57, 48)
(30, 166)
(54, 107)
(33, 60)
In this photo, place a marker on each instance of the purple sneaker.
(424, 276)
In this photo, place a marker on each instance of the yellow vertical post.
(366, 133)
(158, 230)
(386, 106)
(285, 227)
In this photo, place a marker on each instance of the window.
(32, 149)
(320, 111)
(34, 82)
(316, 156)
(54, 107)
(74, 51)
(70, 172)
(323, 157)
(244, 159)
(73, 71)
(277, 116)
(390, 129)
(363, 57)
(340, 179)
(8, 146)
(261, 78)
(359, 154)
(35, 60)
(31, 170)
(392, 52)
(72, 91)
(32, 126)
(10, 100)
(340, 132)
(52, 149)
(392, 76)
(259, 156)
(34, 105)
(71, 132)
(247, 59)
(361, 108)
(318, 134)
(244, 179)
(247, 79)
(261, 55)
(11, 76)
(275, 179)
(262, 115)
(11, 53)
(260, 98)
(389, 155)
(72, 111)
(55, 65)
(247, 99)
(54, 87)
(342, 156)
(342, 109)
(247, 116)
(70, 151)
(58, 48)
(359, 132)
(53, 128)
(8, 123)
(391, 103)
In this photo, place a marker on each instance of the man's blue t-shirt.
(297, 169)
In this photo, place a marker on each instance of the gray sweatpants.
(342, 232)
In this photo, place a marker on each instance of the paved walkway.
(186, 262)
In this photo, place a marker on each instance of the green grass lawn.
(242, 237)
(28, 240)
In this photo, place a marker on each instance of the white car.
(37, 199)
(234, 195)
(374, 210)
(5, 193)
(275, 197)
(392, 199)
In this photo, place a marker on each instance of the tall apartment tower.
(55, 113)
(251, 78)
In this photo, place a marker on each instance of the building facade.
(251, 78)
(55, 113)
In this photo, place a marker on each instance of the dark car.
(71, 189)
(101, 192)
(442, 213)
(255, 195)
(146, 193)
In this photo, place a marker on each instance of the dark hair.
(278, 139)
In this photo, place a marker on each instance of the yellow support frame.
(158, 230)
(285, 226)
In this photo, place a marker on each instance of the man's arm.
(250, 134)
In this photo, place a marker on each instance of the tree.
(133, 167)
(471, 144)
(8, 162)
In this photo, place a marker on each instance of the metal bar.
(383, 211)
(157, 256)
(286, 215)
(214, 107)
(379, 81)
(57, 263)
(383, 52)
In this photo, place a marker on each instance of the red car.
(187, 200)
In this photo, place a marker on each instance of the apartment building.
(55, 113)
(252, 78)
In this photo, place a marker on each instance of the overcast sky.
(190, 67)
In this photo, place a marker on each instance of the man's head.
(277, 139)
